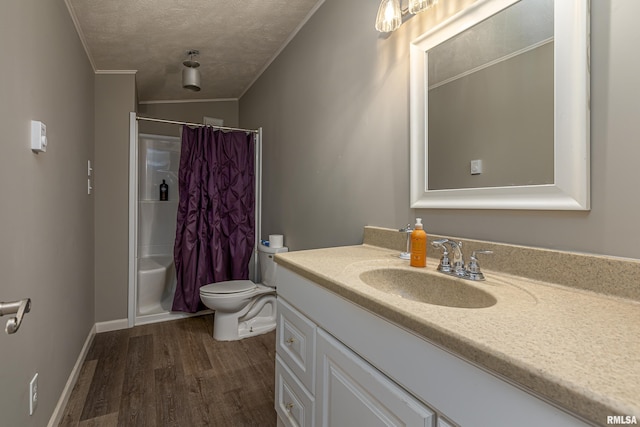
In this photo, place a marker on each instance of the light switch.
(38, 136)
(476, 167)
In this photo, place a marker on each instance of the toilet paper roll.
(275, 240)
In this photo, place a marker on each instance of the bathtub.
(156, 284)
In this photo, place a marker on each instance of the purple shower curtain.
(215, 225)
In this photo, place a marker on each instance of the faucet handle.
(406, 229)
(439, 243)
(480, 251)
(445, 264)
(473, 269)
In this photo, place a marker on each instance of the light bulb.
(417, 6)
(389, 16)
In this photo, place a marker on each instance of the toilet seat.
(229, 287)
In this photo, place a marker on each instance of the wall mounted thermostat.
(38, 136)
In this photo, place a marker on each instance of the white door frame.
(133, 218)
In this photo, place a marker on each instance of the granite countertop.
(574, 347)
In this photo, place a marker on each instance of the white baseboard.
(58, 412)
(112, 325)
(167, 316)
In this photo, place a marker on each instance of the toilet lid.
(230, 287)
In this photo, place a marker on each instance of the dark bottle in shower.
(164, 191)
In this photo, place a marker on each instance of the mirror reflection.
(490, 107)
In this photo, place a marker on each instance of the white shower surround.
(158, 162)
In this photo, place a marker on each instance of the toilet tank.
(267, 264)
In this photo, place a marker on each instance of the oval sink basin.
(434, 289)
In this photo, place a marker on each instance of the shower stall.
(154, 160)
(158, 161)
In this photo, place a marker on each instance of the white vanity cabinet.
(341, 365)
(320, 382)
(351, 392)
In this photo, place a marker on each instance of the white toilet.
(242, 308)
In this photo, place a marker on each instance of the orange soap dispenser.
(418, 245)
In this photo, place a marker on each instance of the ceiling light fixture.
(390, 12)
(190, 72)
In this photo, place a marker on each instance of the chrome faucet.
(458, 259)
(456, 266)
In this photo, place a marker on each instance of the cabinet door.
(294, 404)
(296, 343)
(443, 423)
(350, 392)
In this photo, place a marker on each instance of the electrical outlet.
(33, 394)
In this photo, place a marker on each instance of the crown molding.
(184, 101)
(284, 45)
(83, 40)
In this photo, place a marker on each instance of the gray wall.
(46, 216)
(502, 115)
(335, 111)
(188, 112)
(115, 99)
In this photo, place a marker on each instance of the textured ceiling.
(236, 38)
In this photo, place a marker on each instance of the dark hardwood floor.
(174, 374)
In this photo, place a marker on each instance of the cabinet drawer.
(296, 343)
(294, 404)
(351, 392)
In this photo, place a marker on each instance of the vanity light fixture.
(389, 16)
(417, 6)
(390, 13)
(190, 72)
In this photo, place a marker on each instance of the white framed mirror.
(499, 105)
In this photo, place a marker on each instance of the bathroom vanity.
(349, 353)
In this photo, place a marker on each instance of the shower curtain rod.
(174, 122)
